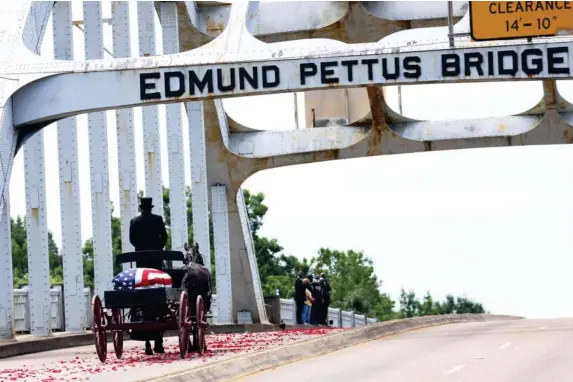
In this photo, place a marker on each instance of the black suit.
(147, 233)
(299, 298)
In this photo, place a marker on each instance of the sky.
(491, 224)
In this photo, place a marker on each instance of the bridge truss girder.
(220, 34)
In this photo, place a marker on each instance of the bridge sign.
(503, 20)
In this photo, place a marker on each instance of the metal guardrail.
(338, 317)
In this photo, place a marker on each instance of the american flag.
(141, 278)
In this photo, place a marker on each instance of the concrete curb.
(248, 364)
(58, 341)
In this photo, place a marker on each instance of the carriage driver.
(147, 233)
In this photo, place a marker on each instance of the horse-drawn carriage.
(182, 307)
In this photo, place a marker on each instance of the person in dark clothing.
(299, 297)
(326, 294)
(147, 233)
(317, 305)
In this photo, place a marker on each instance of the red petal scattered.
(218, 346)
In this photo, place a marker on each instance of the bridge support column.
(220, 215)
(175, 153)
(74, 299)
(199, 189)
(124, 125)
(37, 237)
(6, 276)
(255, 297)
(101, 216)
(151, 137)
(247, 293)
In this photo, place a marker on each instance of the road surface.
(81, 363)
(506, 351)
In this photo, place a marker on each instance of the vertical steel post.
(151, 137)
(74, 306)
(199, 187)
(124, 123)
(451, 23)
(296, 124)
(7, 150)
(6, 276)
(37, 237)
(175, 154)
(99, 171)
(222, 246)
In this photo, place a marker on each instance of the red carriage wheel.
(98, 327)
(117, 318)
(201, 324)
(183, 324)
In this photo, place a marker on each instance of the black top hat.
(146, 202)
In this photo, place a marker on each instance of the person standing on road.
(317, 304)
(299, 298)
(307, 302)
(326, 294)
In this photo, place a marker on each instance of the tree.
(409, 304)
(354, 283)
(411, 307)
(276, 269)
(427, 306)
(20, 254)
(351, 273)
(88, 250)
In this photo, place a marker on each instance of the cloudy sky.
(491, 224)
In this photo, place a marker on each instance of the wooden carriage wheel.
(200, 325)
(117, 318)
(98, 327)
(183, 324)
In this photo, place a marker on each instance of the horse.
(197, 280)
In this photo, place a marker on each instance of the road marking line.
(543, 327)
(507, 344)
(453, 370)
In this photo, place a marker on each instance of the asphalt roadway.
(504, 351)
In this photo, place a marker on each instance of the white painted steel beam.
(151, 137)
(251, 255)
(8, 141)
(199, 186)
(125, 138)
(37, 237)
(175, 152)
(70, 206)
(220, 215)
(99, 171)
(212, 72)
(36, 220)
(413, 10)
(6, 276)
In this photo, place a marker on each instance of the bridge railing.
(338, 317)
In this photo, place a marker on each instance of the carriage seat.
(133, 257)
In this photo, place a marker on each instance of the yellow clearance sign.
(502, 20)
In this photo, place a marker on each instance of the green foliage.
(354, 283)
(20, 254)
(88, 251)
(410, 306)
